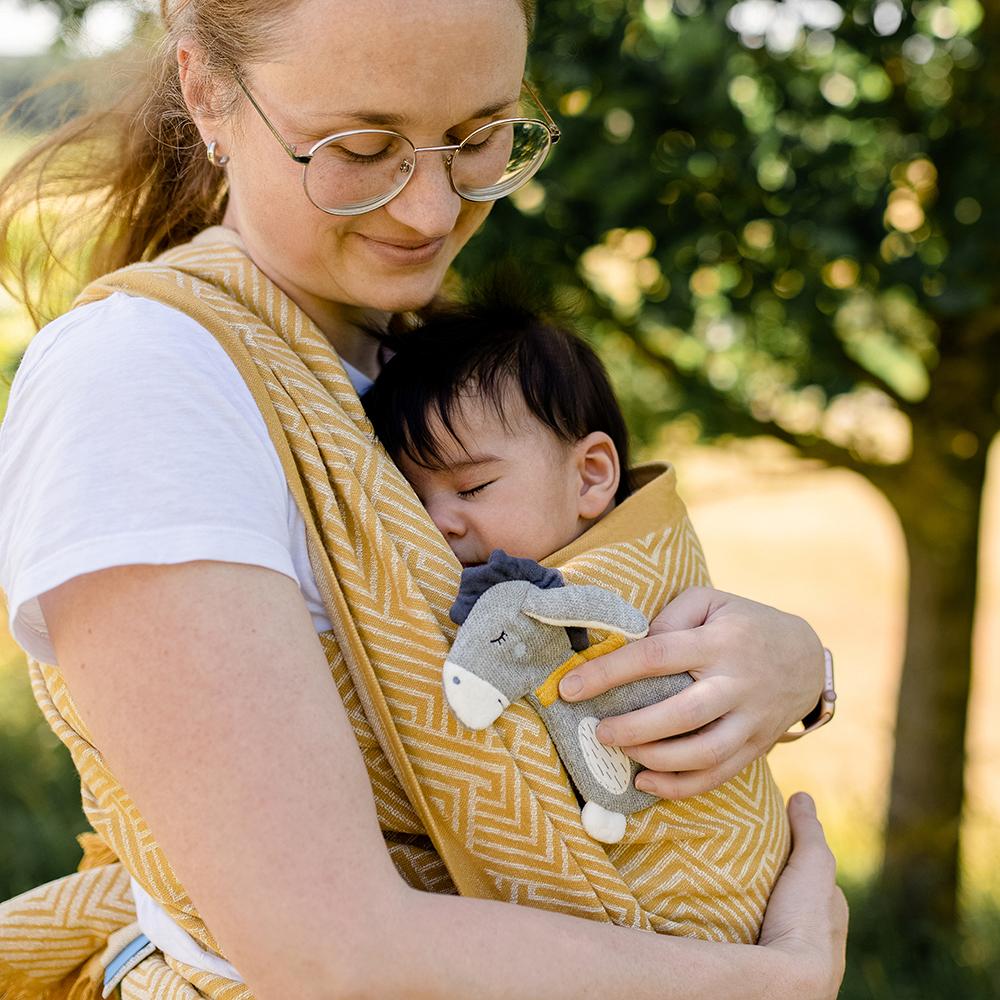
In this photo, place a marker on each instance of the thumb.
(809, 845)
(689, 609)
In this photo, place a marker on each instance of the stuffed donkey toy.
(522, 629)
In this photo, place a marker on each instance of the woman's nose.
(428, 204)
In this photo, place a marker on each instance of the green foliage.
(39, 789)
(771, 230)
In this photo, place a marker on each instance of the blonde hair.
(134, 169)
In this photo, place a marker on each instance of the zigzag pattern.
(498, 802)
(47, 932)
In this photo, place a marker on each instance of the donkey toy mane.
(502, 568)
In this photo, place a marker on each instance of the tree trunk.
(938, 498)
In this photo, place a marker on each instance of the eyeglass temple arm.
(287, 147)
(554, 131)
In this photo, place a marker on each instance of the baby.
(506, 426)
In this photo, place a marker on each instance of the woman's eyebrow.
(389, 119)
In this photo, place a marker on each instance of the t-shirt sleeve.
(130, 438)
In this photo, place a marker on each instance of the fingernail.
(643, 784)
(806, 802)
(570, 685)
(604, 733)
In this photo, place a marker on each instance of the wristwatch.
(823, 712)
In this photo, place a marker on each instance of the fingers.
(656, 655)
(696, 706)
(703, 751)
(807, 914)
(684, 784)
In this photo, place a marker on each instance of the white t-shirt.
(130, 437)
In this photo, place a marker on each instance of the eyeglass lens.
(367, 167)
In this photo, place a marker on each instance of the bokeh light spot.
(841, 91)
(618, 123)
(758, 234)
(903, 211)
(841, 273)
(575, 102)
(968, 211)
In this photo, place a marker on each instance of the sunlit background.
(777, 219)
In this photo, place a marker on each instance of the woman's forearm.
(447, 947)
(443, 947)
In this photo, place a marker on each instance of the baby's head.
(506, 426)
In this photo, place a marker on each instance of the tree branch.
(809, 447)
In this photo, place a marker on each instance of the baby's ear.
(599, 467)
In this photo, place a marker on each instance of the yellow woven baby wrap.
(488, 814)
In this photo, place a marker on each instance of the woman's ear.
(599, 468)
(196, 89)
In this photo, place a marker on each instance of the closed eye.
(501, 638)
(482, 142)
(463, 132)
(475, 490)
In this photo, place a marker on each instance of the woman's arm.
(759, 670)
(206, 689)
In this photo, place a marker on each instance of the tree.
(775, 217)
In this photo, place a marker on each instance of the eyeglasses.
(354, 172)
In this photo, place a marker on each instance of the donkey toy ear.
(586, 606)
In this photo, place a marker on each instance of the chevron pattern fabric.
(490, 814)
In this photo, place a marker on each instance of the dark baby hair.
(496, 342)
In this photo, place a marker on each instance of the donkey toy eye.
(502, 637)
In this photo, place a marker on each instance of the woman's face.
(432, 70)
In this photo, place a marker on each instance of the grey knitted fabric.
(513, 636)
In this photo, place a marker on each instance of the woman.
(184, 515)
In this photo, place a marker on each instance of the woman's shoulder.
(130, 437)
(118, 336)
(127, 362)
(128, 378)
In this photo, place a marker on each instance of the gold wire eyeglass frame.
(548, 124)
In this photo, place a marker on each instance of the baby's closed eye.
(474, 490)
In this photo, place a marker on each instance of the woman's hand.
(759, 670)
(807, 914)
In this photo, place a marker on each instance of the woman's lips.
(405, 253)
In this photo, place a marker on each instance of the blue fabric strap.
(126, 960)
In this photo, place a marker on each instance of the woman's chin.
(414, 296)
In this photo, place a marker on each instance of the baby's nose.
(448, 519)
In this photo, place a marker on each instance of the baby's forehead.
(484, 429)
(474, 416)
